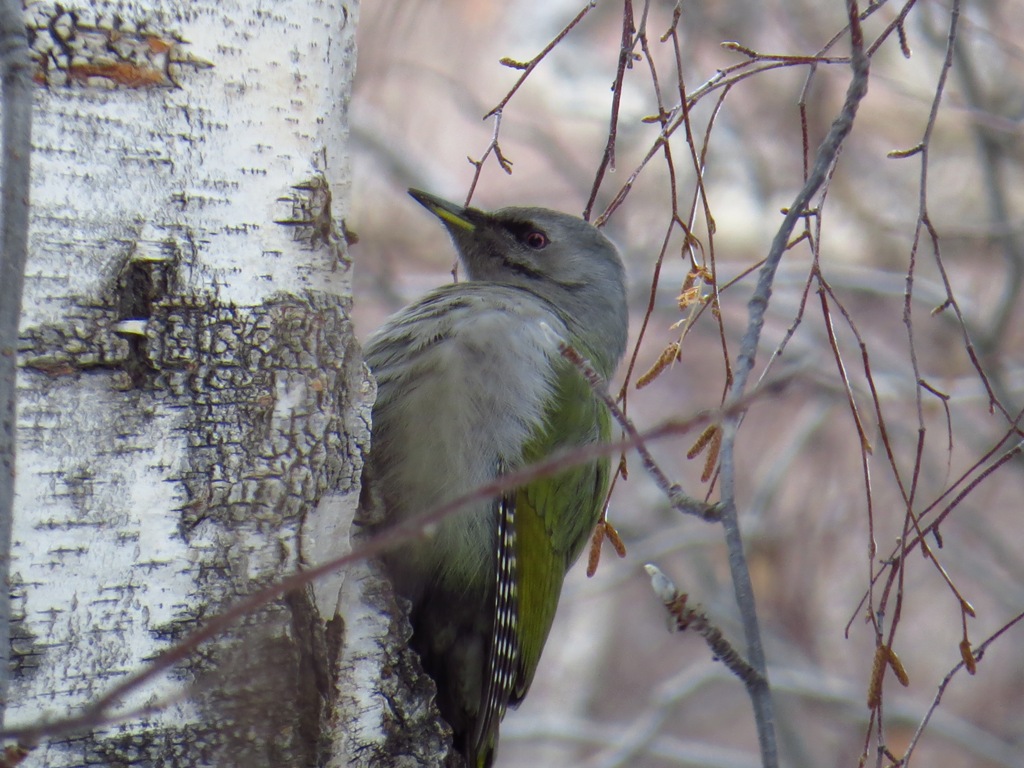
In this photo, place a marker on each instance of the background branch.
(826, 157)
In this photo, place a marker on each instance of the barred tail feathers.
(503, 657)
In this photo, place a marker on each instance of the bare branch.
(678, 498)
(104, 709)
(683, 616)
(824, 159)
(625, 58)
(529, 66)
(976, 654)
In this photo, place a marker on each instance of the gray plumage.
(469, 381)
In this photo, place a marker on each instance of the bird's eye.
(536, 240)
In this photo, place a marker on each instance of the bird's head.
(558, 257)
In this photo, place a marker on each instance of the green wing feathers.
(556, 515)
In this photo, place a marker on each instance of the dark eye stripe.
(522, 230)
(521, 269)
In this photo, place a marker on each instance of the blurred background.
(615, 687)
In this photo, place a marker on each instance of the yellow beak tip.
(450, 213)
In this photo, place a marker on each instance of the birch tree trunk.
(192, 403)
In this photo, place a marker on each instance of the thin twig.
(496, 112)
(529, 66)
(678, 498)
(970, 484)
(925, 224)
(683, 616)
(827, 152)
(993, 152)
(492, 148)
(885, 637)
(625, 55)
(100, 711)
(977, 654)
(727, 77)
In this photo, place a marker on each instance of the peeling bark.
(193, 404)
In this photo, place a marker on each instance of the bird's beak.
(452, 215)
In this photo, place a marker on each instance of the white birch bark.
(192, 403)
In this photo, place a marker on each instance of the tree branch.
(827, 153)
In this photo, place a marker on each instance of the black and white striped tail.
(504, 648)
